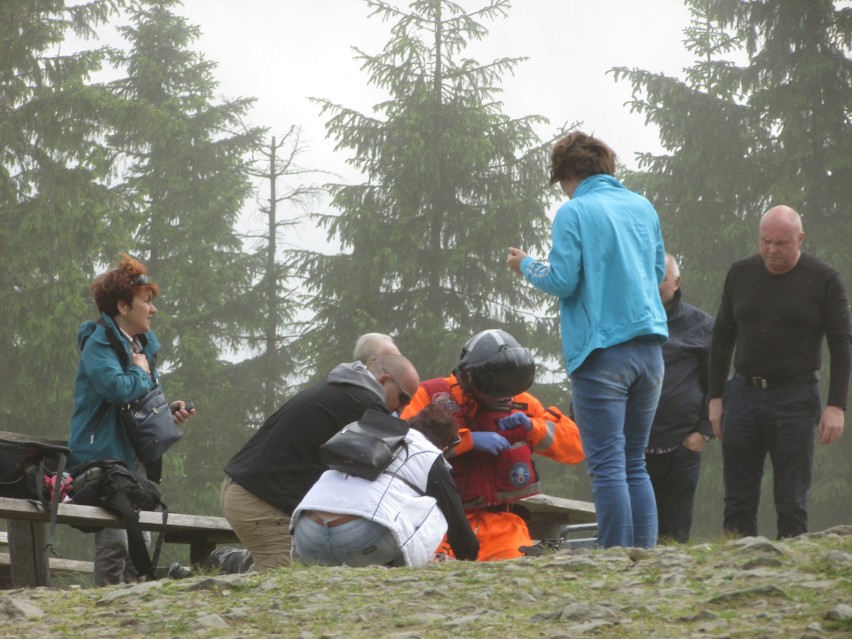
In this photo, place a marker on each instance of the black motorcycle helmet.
(494, 363)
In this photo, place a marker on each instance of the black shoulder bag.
(365, 448)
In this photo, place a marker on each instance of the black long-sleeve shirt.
(440, 485)
(777, 323)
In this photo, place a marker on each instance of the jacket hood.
(673, 307)
(84, 332)
(90, 327)
(357, 375)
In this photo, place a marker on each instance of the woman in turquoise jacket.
(117, 366)
(605, 266)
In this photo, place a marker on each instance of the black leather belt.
(767, 383)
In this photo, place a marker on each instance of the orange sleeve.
(420, 401)
(552, 434)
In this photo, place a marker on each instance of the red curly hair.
(121, 284)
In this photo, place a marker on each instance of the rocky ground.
(800, 589)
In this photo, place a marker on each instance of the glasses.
(404, 398)
(453, 443)
(139, 280)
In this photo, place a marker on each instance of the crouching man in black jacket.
(269, 476)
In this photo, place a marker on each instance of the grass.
(669, 592)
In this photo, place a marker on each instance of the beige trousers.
(263, 529)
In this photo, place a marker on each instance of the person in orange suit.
(500, 427)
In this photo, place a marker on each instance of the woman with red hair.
(117, 366)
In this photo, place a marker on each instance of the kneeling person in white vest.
(400, 518)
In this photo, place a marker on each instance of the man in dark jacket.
(270, 475)
(681, 427)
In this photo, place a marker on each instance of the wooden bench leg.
(30, 566)
(199, 551)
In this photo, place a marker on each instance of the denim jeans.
(360, 542)
(674, 476)
(615, 394)
(780, 422)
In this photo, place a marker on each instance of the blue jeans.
(360, 542)
(780, 422)
(615, 394)
(674, 476)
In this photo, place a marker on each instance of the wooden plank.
(180, 528)
(570, 510)
(57, 564)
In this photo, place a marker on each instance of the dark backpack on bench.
(108, 483)
(25, 473)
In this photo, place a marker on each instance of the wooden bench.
(559, 518)
(28, 535)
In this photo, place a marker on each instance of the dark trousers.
(779, 422)
(674, 476)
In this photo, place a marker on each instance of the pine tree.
(57, 203)
(187, 157)
(450, 183)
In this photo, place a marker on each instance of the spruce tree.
(187, 156)
(450, 181)
(57, 204)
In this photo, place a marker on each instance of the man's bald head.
(372, 345)
(781, 238)
(398, 377)
(671, 282)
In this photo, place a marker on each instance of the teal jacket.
(101, 386)
(605, 266)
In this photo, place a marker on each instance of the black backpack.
(108, 483)
(25, 473)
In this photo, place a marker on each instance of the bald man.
(681, 427)
(776, 308)
(369, 346)
(269, 476)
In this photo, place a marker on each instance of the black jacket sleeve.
(440, 485)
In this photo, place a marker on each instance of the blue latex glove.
(513, 421)
(490, 442)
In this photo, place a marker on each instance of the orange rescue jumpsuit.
(552, 434)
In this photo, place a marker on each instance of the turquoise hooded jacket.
(605, 266)
(101, 387)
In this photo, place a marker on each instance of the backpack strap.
(119, 349)
(408, 483)
(135, 539)
(411, 485)
(54, 503)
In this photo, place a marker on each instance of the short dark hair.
(579, 155)
(439, 426)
